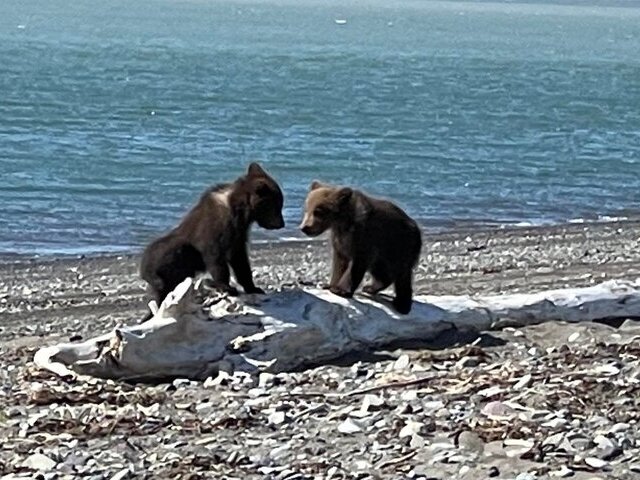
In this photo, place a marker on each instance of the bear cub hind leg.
(381, 279)
(404, 292)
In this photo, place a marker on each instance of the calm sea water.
(115, 115)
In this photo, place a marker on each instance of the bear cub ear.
(255, 170)
(316, 184)
(344, 194)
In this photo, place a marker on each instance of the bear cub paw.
(254, 290)
(402, 306)
(341, 292)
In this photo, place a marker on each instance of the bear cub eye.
(263, 190)
(320, 211)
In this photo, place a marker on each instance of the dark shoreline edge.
(506, 230)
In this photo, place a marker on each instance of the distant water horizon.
(114, 117)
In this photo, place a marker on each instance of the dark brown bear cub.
(214, 235)
(367, 235)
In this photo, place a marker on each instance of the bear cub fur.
(214, 235)
(367, 235)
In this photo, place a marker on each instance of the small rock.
(526, 476)
(608, 369)
(277, 418)
(595, 462)
(371, 403)
(619, 427)
(564, 472)
(574, 336)
(609, 453)
(471, 442)
(39, 462)
(554, 440)
(491, 391)
(256, 392)
(555, 423)
(221, 379)
(497, 410)
(433, 405)
(266, 379)
(455, 458)
(417, 441)
(362, 466)
(581, 443)
(122, 474)
(181, 382)
(493, 472)
(410, 428)
(409, 396)
(349, 427)
(524, 382)
(402, 363)
(517, 447)
(603, 442)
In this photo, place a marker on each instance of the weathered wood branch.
(294, 328)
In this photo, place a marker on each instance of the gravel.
(547, 401)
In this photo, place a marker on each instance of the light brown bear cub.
(213, 236)
(367, 235)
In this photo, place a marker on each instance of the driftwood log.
(294, 328)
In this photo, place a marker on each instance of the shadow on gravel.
(617, 322)
(450, 338)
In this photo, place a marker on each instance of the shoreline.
(58, 291)
(507, 229)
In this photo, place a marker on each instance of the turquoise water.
(115, 115)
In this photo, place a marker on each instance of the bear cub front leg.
(242, 270)
(351, 278)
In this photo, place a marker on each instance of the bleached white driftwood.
(293, 328)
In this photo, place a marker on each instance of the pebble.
(410, 428)
(497, 409)
(526, 389)
(402, 363)
(523, 382)
(266, 379)
(371, 403)
(40, 462)
(526, 476)
(619, 427)
(122, 474)
(580, 443)
(595, 462)
(471, 442)
(277, 418)
(517, 447)
(417, 441)
(349, 427)
(563, 472)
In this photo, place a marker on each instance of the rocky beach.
(548, 401)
